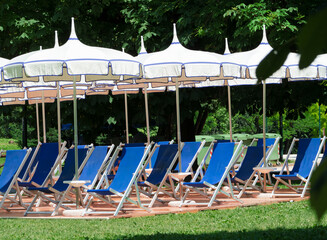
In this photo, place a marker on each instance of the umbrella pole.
(59, 122)
(126, 118)
(178, 127)
(37, 121)
(43, 118)
(147, 115)
(75, 139)
(264, 123)
(230, 114)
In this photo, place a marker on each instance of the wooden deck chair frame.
(189, 168)
(49, 177)
(124, 196)
(14, 184)
(29, 172)
(299, 189)
(250, 183)
(217, 188)
(99, 174)
(163, 183)
(58, 197)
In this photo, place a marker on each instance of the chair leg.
(31, 204)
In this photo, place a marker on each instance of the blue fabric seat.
(253, 157)
(60, 187)
(25, 167)
(188, 155)
(222, 159)
(67, 173)
(306, 160)
(128, 164)
(46, 158)
(165, 158)
(155, 153)
(306, 154)
(15, 160)
(94, 164)
(128, 172)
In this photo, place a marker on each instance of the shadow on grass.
(317, 232)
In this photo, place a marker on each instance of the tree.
(311, 41)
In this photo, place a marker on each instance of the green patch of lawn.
(277, 221)
(8, 144)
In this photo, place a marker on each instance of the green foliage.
(318, 191)
(253, 16)
(101, 139)
(312, 40)
(8, 144)
(250, 123)
(259, 13)
(308, 45)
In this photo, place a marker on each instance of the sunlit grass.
(277, 221)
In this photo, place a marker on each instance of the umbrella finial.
(175, 38)
(264, 37)
(123, 50)
(143, 50)
(226, 47)
(73, 33)
(40, 47)
(56, 39)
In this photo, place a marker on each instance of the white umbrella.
(180, 64)
(72, 60)
(242, 67)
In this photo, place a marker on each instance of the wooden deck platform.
(253, 198)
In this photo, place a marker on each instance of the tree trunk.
(200, 122)
(188, 130)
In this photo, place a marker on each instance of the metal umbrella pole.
(37, 121)
(147, 115)
(230, 113)
(43, 118)
(59, 122)
(178, 127)
(264, 123)
(75, 139)
(126, 117)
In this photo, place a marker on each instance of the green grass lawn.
(7, 144)
(277, 221)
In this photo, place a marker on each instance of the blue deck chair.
(48, 159)
(121, 152)
(306, 161)
(245, 173)
(222, 160)
(94, 167)
(59, 189)
(15, 160)
(189, 154)
(269, 142)
(30, 164)
(154, 153)
(125, 178)
(167, 156)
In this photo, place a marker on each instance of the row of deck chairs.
(133, 169)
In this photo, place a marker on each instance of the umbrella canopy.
(177, 63)
(72, 60)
